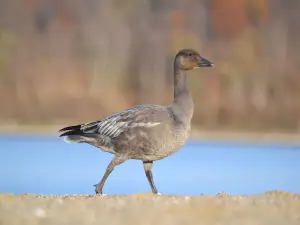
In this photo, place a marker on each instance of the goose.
(145, 132)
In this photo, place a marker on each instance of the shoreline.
(196, 134)
(270, 193)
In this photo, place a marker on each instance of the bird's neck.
(183, 102)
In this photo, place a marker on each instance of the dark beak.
(205, 63)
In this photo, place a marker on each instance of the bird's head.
(188, 59)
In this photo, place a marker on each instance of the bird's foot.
(102, 195)
(157, 193)
(98, 190)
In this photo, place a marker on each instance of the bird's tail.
(72, 134)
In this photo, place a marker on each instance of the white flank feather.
(68, 140)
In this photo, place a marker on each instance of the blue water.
(48, 165)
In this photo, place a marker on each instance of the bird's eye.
(190, 54)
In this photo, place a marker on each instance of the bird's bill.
(205, 63)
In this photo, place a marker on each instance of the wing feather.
(117, 123)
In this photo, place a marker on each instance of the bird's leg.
(147, 168)
(114, 162)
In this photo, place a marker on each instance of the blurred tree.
(229, 18)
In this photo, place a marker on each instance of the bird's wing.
(114, 125)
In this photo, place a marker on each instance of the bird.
(145, 132)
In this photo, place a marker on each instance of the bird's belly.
(163, 153)
(162, 148)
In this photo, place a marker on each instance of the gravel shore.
(270, 208)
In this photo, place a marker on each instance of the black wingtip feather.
(71, 132)
(76, 127)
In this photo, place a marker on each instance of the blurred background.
(65, 62)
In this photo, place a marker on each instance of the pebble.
(39, 212)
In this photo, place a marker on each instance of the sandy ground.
(270, 208)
